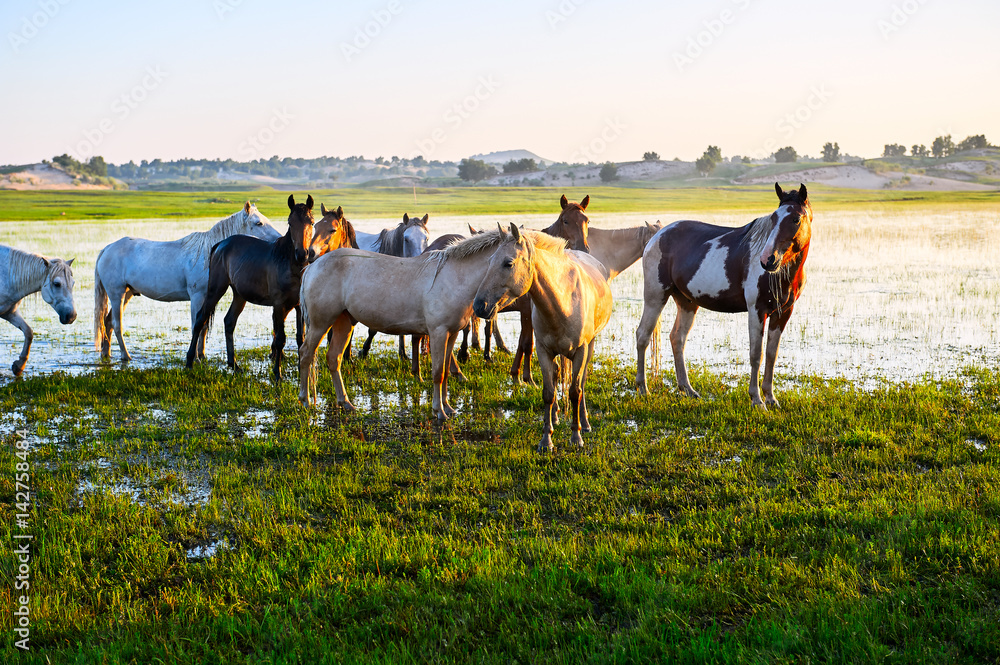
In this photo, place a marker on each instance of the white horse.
(170, 271)
(24, 273)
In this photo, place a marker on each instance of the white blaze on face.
(765, 255)
(710, 279)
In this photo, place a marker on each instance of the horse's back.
(157, 269)
(593, 280)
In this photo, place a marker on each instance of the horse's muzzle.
(300, 256)
(770, 265)
(67, 319)
(479, 309)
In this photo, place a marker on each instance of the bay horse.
(170, 271)
(758, 268)
(262, 273)
(23, 273)
(408, 239)
(430, 294)
(571, 302)
(572, 225)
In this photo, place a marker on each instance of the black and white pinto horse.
(758, 268)
(24, 273)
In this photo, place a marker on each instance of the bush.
(609, 172)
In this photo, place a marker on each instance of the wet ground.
(890, 296)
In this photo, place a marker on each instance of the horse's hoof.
(449, 411)
(641, 389)
(576, 440)
(772, 403)
(545, 445)
(463, 356)
(17, 367)
(347, 406)
(691, 392)
(441, 417)
(585, 428)
(238, 369)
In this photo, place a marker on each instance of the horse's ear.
(803, 194)
(340, 212)
(564, 202)
(322, 209)
(585, 202)
(503, 234)
(70, 262)
(291, 201)
(472, 230)
(516, 232)
(309, 202)
(425, 218)
(246, 207)
(777, 188)
(406, 218)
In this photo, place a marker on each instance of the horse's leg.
(547, 365)
(368, 344)
(415, 360)
(497, 339)
(439, 357)
(474, 331)
(213, 294)
(453, 367)
(117, 307)
(528, 335)
(307, 357)
(756, 329)
(487, 330)
(654, 298)
(347, 350)
(197, 302)
(341, 334)
(298, 326)
(15, 318)
(576, 392)
(278, 316)
(584, 416)
(402, 348)
(450, 356)
(232, 316)
(686, 311)
(774, 330)
(463, 351)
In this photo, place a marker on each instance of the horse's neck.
(551, 288)
(617, 249)
(25, 273)
(367, 241)
(222, 229)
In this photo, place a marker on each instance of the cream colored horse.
(571, 303)
(618, 249)
(430, 294)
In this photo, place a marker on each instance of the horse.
(331, 232)
(23, 273)
(571, 302)
(165, 271)
(408, 239)
(430, 294)
(617, 249)
(572, 225)
(263, 273)
(758, 268)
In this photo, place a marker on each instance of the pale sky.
(572, 80)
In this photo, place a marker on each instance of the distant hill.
(503, 156)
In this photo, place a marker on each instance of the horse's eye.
(58, 285)
(508, 264)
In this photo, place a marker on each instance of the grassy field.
(367, 202)
(848, 526)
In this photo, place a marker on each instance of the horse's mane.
(490, 240)
(203, 241)
(390, 241)
(757, 233)
(25, 270)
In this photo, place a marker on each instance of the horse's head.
(415, 237)
(300, 226)
(331, 232)
(257, 225)
(650, 230)
(572, 224)
(792, 228)
(509, 276)
(57, 290)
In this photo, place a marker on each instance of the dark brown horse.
(262, 273)
(758, 268)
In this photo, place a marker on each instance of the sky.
(571, 80)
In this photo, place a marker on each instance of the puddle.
(977, 444)
(206, 551)
(735, 459)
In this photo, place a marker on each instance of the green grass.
(848, 526)
(391, 202)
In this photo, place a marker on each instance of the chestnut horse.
(571, 303)
(758, 268)
(262, 273)
(331, 232)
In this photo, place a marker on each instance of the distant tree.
(650, 157)
(609, 172)
(942, 146)
(419, 161)
(98, 166)
(919, 150)
(475, 170)
(708, 160)
(380, 160)
(894, 150)
(831, 152)
(786, 155)
(525, 165)
(976, 142)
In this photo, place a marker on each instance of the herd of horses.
(399, 282)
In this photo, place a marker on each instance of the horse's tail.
(654, 349)
(102, 335)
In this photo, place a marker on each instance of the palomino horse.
(430, 294)
(24, 273)
(407, 240)
(164, 271)
(758, 268)
(263, 273)
(573, 225)
(617, 249)
(571, 303)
